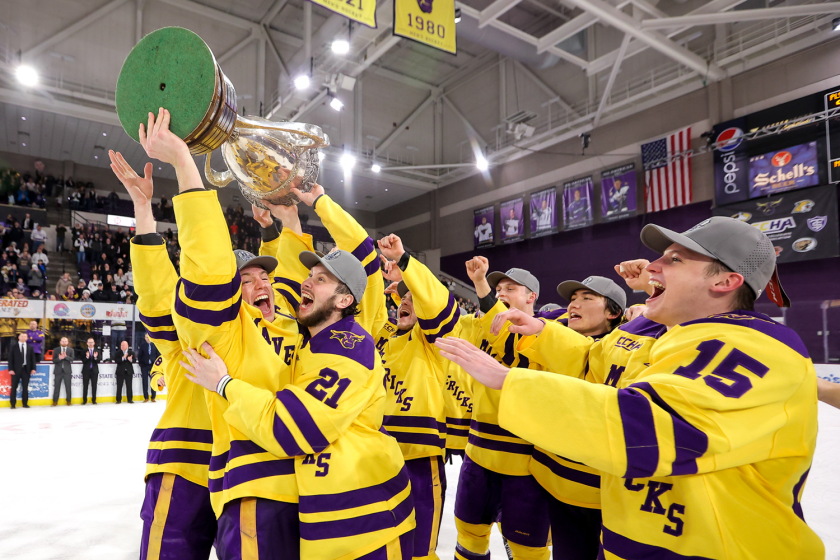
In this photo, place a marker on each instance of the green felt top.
(170, 68)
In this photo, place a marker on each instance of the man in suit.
(147, 355)
(62, 358)
(125, 372)
(21, 366)
(90, 371)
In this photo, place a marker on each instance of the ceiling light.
(481, 163)
(24, 144)
(95, 157)
(340, 46)
(302, 82)
(23, 118)
(336, 104)
(321, 156)
(457, 15)
(376, 169)
(347, 162)
(104, 134)
(386, 190)
(26, 75)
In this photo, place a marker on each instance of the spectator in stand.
(146, 356)
(35, 337)
(120, 279)
(24, 263)
(95, 284)
(81, 286)
(129, 296)
(90, 370)
(80, 245)
(11, 276)
(21, 287)
(85, 296)
(62, 358)
(60, 232)
(36, 294)
(95, 248)
(27, 220)
(39, 237)
(22, 197)
(125, 371)
(118, 329)
(63, 283)
(40, 259)
(70, 294)
(75, 199)
(129, 278)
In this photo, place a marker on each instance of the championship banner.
(483, 224)
(22, 308)
(363, 11)
(513, 221)
(618, 193)
(801, 224)
(89, 310)
(577, 203)
(544, 212)
(431, 22)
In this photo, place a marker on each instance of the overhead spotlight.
(347, 162)
(336, 104)
(340, 46)
(104, 134)
(375, 168)
(26, 75)
(321, 156)
(481, 163)
(457, 15)
(23, 118)
(302, 82)
(835, 24)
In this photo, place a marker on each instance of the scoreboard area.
(832, 133)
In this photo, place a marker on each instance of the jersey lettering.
(725, 370)
(655, 490)
(628, 344)
(615, 374)
(652, 504)
(329, 378)
(677, 529)
(323, 465)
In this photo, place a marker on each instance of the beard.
(319, 314)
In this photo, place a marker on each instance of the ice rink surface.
(73, 483)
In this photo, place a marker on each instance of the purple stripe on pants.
(190, 525)
(424, 493)
(382, 553)
(518, 502)
(278, 537)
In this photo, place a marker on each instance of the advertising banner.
(785, 170)
(544, 212)
(618, 193)
(513, 221)
(483, 226)
(23, 308)
(801, 224)
(431, 22)
(90, 310)
(363, 11)
(577, 203)
(39, 385)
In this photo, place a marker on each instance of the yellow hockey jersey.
(182, 440)
(704, 454)
(415, 410)
(490, 445)
(620, 355)
(208, 307)
(354, 488)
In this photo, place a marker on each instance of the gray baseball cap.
(518, 275)
(343, 266)
(550, 307)
(737, 244)
(597, 284)
(244, 259)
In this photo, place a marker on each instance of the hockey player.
(355, 495)
(721, 424)
(415, 410)
(178, 520)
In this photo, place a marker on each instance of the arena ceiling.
(558, 68)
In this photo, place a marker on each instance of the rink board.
(41, 385)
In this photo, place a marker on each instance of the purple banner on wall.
(785, 170)
(513, 221)
(618, 193)
(577, 203)
(544, 212)
(483, 226)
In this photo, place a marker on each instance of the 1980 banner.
(431, 22)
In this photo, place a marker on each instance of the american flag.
(667, 171)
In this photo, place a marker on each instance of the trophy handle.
(216, 178)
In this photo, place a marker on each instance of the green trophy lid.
(171, 68)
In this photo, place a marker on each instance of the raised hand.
(392, 288)
(288, 215)
(392, 272)
(484, 368)
(262, 217)
(635, 311)
(310, 197)
(159, 142)
(140, 189)
(635, 274)
(520, 323)
(206, 372)
(392, 247)
(477, 268)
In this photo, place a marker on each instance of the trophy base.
(286, 200)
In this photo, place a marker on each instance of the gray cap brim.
(265, 262)
(658, 239)
(310, 259)
(569, 287)
(495, 277)
(402, 289)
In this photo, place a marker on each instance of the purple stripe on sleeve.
(355, 498)
(182, 434)
(690, 443)
(456, 432)
(357, 525)
(205, 316)
(445, 329)
(363, 250)
(492, 429)
(305, 423)
(639, 434)
(504, 446)
(285, 438)
(295, 286)
(156, 322)
(585, 478)
(624, 547)
(254, 471)
(164, 456)
(242, 447)
(414, 422)
(372, 267)
(432, 324)
(170, 336)
(458, 421)
(290, 298)
(642, 326)
(431, 440)
(216, 484)
(218, 462)
(211, 292)
(797, 507)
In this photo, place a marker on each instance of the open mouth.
(404, 313)
(306, 301)
(263, 303)
(658, 289)
(506, 304)
(574, 316)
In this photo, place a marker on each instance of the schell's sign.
(785, 170)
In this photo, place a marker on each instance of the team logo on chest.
(347, 339)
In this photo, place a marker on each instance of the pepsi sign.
(731, 163)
